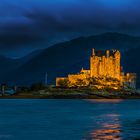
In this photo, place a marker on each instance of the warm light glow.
(105, 100)
(105, 73)
(111, 130)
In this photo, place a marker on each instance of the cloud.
(28, 24)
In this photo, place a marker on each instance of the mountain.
(7, 65)
(71, 56)
(30, 56)
(131, 62)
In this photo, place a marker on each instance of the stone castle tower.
(103, 65)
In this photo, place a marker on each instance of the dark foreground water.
(69, 119)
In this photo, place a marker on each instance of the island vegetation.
(41, 91)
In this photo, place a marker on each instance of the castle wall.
(130, 80)
(94, 66)
(74, 79)
(105, 66)
(117, 68)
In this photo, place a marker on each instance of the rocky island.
(105, 80)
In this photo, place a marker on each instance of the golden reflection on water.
(107, 132)
(105, 100)
(107, 129)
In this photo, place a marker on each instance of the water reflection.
(105, 100)
(108, 128)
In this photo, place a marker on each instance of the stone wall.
(75, 79)
(108, 66)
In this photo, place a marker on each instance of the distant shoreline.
(74, 94)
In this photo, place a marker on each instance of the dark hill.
(71, 56)
(7, 65)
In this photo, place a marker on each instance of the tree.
(80, 83)
(37, 86)
(63, 83)
(94, 81)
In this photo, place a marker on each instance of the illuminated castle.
(104, 65)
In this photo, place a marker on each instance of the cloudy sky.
(26, 25)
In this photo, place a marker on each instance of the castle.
(104, 66)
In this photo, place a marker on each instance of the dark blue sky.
(26, 25)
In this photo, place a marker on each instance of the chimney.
(107, 53)
(93, 52)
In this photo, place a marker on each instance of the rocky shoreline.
(74, 94)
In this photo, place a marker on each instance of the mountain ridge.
(69, 57)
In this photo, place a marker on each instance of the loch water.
(43, 119)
